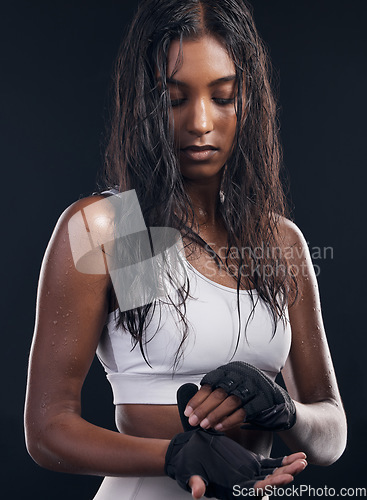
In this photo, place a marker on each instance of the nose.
(199, 118)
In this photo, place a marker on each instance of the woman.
(194, 135)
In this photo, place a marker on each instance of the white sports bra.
(212, 316)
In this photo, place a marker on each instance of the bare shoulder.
(292, 242)
(290, 233)
(96, 211)
(82, 229)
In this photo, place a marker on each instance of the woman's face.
(202, 94)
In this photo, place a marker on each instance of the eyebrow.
(229, 78)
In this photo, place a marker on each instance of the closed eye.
(223, 102)
(177, 102)
(218, 100)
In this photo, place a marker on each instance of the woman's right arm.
(71, 311)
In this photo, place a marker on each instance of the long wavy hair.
(140, 153)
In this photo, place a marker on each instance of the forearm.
(320, 431)
(67, 443)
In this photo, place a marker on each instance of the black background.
(56, 60)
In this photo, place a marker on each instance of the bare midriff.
(163, 422)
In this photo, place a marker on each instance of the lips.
(199, 153)
(200, 148)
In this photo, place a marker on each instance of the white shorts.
(141, 488)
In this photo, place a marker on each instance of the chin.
(201, 172)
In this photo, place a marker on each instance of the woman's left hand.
(251, 395)
(214, 409)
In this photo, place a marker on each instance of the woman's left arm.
(320, 430)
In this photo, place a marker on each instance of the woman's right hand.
(207, 461)
(224, 466)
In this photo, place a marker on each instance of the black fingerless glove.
(268, 406)
(221, 462)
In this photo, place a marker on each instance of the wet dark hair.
(140, 153)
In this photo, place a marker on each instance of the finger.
(294, 468)
(295, 456)
(292, 465)
(232, 421)
(217, 406)
(197, 486)
(227, 409)
(273, 480)
(206, 401)
(198, 399)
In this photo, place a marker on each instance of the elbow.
(40, 445)
(326, 456)
(340, 437)
(37, 448)
(337, 442)
(320, 432)
(325, 459)
(339, 448)
(50, 441)
(35, 454)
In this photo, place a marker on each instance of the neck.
(205, 200)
